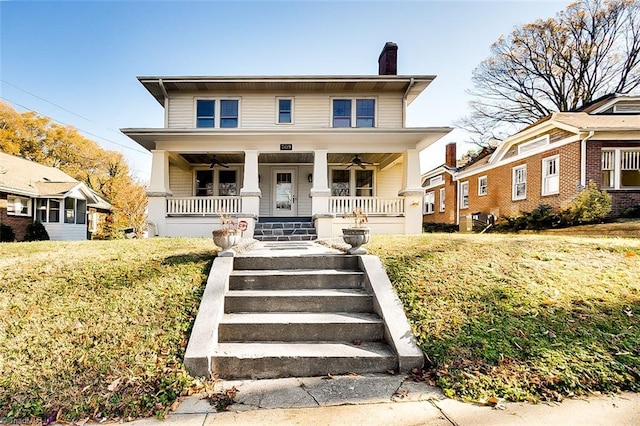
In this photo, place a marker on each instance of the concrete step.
(292, 279)
(320, 300)
(284, 225)
(300, 359)
(309, 237)
(325, 261)
(299, 326)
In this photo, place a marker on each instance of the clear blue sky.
(80, 59)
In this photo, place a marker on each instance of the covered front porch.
(189, 190)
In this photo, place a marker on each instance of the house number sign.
(286, 147)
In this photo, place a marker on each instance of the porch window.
(228, 113)
(204, 183)
(41, 210)
(69, 210)
(550, 175)
(442, 199)
(364, 183)
(621, 168)
(227, 183)
(54, 211)
(630, 169)
(429, 202)
(347, 182)
(209, 183)
(48, 210)
(81, 211)
(340, 183)
(205, 116)
(285, 111)
(464, 195)
(519, 183)
(18, 206)
(342, 113)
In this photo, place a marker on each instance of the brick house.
(30, 192)
(549, 162)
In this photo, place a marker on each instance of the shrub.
(591, 205)
(631, 212)
(439, 227)
(542, 217)
(36, 232)
(6, 234)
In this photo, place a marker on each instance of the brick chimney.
(388, 59)
(450, 155)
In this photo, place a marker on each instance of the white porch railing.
(368, 205)
(200, 206)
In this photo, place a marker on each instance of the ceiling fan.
(357, 161)
(216, 162)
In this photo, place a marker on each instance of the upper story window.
(436, 180)
(222, 113)
(482, 185)
(285, 111)
(345, 183)
(531, 145)
(464, 195)
(18, 206)
(551, 175)
(429, 202)
(621, 168)
(354, 113)
(519, 183)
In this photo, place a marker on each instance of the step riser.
(264, 368)
(308, 262)
(295, 282)
(299, 304)
(299, 332)
(285, 237)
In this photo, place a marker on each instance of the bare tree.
(590, 49)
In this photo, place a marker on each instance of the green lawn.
(98, 328)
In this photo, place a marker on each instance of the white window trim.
(442, 199)
(352, 179)
(617, 168)
(432, 196)
(285, 98)
(216, 111)
(545, 176)
(353, 110)
(633, 108)
(27, 200)
(462, 204)
(216, 180)
(486, 186)
(513, 183)
(522, 148)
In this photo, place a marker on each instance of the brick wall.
(620, 199)
(450, 200)
(17, 223)
(498, 200)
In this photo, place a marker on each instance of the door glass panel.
(284, 194)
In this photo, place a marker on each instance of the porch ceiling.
(293, 157)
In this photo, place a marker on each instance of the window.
(519, 183)
(48, 210)
(18, 206)
(531, 145)
(464, 195)
(436, 180)
(205, 116)
(341, 113)
(621, 168)
(221, 113)
(54, 211)
(482, 185)
(442, 199)
(226, 183)
(429, 202)
(285, 111)
(69, 210)
(347, 182)
(81, 211)
(228, 113)
(550, 175)
(354, 112)
(365, 112)
(41, 210)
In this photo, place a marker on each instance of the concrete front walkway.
(386, 400)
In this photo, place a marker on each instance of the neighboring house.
(549, 162)
(31, 192)
(286, 147)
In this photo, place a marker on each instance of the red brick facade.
(17, 223)
(450, 198)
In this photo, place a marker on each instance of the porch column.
(250, 191)
(320, 194)
(158, 191)
(412, 192)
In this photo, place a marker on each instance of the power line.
(80, 129)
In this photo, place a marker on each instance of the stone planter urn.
(356, 237)
(226, 239)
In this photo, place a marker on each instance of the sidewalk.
(386, 400)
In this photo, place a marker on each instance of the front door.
(284, 192)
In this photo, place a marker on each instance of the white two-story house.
(268, 148)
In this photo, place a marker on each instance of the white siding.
(180, 181)
(265, 189)
(258, 110)
(66, 231)
(390, 181)
(304, 187)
